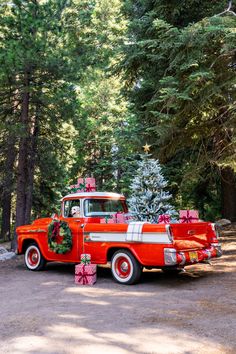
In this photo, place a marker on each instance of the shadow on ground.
(193, 312)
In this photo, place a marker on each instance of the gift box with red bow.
(188, 216)
(90, 184)
(85, 274)
(164, 219)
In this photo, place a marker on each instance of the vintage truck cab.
(129, 246)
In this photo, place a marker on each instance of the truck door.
(71, 215)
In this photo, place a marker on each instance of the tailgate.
(190, 236)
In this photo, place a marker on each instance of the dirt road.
(194, 312)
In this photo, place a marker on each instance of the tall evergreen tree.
(102, 147)
(184, 87)
(149, 198)
(38, 57)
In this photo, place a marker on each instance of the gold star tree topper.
(146, 148)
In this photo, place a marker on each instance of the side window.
(67, 207)
(71, 208)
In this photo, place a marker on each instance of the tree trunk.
(228, 187)
(7, 190)
(22, 161)
(30, 170)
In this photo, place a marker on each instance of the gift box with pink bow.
(188, 216)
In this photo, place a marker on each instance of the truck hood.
(38, 224)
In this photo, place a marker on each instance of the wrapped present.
(105, 219)
(164, 219)
(85, 258)
(81, 185)
(90, 184)
(121, 218)
(84, 185)
(85, 274)
(117, 218)
(188, 216)
(111, 221)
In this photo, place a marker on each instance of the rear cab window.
(103, 207)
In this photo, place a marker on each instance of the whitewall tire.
(33, 258)
(125, 268)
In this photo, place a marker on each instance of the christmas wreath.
(59, 237)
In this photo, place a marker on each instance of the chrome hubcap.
(124, 266)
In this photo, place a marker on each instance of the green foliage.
(104, 125)
(38, 42)
(59, 230)
(181, 72)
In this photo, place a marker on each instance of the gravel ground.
(193, 312)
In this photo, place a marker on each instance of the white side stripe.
(106, 237)
(146, 237)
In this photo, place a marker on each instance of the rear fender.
(112, 250)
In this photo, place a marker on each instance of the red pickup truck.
(129, 247)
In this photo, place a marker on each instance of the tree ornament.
(149, 199)
(59, 237)
(146, 148)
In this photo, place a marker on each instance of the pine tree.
(149, 199)
(38, 68)
(183, 68)
(104, 126)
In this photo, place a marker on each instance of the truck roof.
(93, 194)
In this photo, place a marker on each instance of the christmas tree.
(149, 199)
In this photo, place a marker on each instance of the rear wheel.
(125, 268)
(33, 258)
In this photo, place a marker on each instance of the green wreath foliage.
(59, 228)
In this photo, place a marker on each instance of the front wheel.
(33, 258)
(125, 268)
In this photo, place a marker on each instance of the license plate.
(193, 256)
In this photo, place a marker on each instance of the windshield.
(101, 207)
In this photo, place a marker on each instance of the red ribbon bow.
(164, 218)
(56, 228)
(84, 275)
(90, 188)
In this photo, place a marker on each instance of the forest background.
(85, 84)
